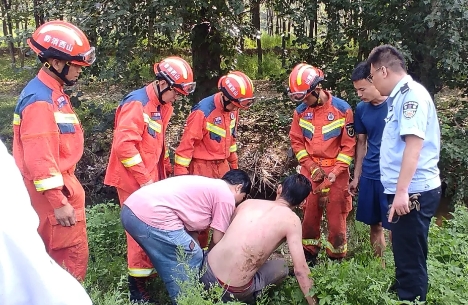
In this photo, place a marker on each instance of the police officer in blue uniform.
(409, 155)
(369, 122)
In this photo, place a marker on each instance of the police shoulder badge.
(409, 109)
(330, 116)
(350, 129)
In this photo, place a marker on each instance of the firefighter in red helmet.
(48, 143)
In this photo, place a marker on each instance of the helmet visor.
(185, 88)
(297, 96)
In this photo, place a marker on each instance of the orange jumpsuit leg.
(337, 211)
(211, 169)
(139, 265)
(311, 224)
(68, 246)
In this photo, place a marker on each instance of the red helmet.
(303, 79)
(62, 40)
(238, 88)
(177, 73)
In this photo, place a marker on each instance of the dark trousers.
(409, 240)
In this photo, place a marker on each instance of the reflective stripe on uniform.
(48, 183)
(141, 272)
(65, 118)
(16, 119)
(233, 148)
(335, 124)
(166, 154)
(307, 125)
(311, 242)
(301, 154)
(341, 249)
(216, 130)
(344, 158)
(132, 161)
(182, 161)
(152, 124)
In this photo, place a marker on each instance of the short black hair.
(296, 188)
(238, 176)
(361, 71)
(388, 56)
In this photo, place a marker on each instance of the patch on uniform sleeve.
(409, 109)
(350, 129)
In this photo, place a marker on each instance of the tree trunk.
(256, 23)
(38, 13)
(8, 28)
(206, 59)
(283, 46)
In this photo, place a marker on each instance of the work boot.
(138, 292)
(311, 259)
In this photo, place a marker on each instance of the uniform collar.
(218, 101)
(150, 90)
(49, 81)
(407, 78)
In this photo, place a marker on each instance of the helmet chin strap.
(225, 104)
(317, 96)
(62, 75)
(160, 93)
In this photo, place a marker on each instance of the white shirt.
(411, 111)
(28, 275)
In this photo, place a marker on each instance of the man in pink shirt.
(166, 216)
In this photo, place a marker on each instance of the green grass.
(268, 42)
(359, 279)
(271, 66)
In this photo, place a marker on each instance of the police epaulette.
(404, 88)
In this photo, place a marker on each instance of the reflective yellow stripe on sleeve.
(301, 154)
(185, 162)
(166, 154)
(216, 130)
(344, 158)
(141, 272)
(48, 183)
(132, 161)
(65, 118)
(233, 148)
(233, 123)
(16, 119)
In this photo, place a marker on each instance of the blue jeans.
(164, 247)
(409, 240)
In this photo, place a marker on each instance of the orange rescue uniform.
(208, 145)
(138, 155)
(48, 142)
(324, 135)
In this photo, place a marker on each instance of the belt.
(324, 162)
(236, 289)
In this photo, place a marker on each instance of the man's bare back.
(238, 262)
(258, 228)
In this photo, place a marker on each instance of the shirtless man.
(238, 263)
